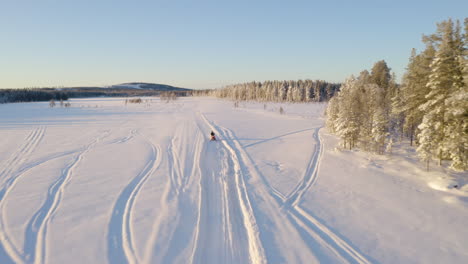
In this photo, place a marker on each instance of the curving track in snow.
(121, 245)
(174, 228)
(10, 172)
(36, 231)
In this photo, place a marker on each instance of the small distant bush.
(281, 110)
(135, 101)
(168, 96)
(52, 103)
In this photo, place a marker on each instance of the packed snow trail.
(262, 212)
(221, 232)
(324, 237)
(203, 174)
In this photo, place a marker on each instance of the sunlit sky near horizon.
(208, 44)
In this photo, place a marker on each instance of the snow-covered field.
(105, 182)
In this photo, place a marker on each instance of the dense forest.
(280, 91)
(47, 94)
(31, 95)
(430, 107)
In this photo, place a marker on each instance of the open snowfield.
(105, 182)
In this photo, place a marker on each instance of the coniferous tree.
(413, 91)
(444, 80)
(348, 119)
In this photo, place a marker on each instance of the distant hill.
(125, 89)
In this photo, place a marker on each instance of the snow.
(109, 182)
(127, 86)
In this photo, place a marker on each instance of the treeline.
(30, 95)
(47, 94)
(280, 91)
(430, 107)
(86, 92)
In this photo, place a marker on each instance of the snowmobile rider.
(212, 136)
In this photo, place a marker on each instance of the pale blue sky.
(207, 44)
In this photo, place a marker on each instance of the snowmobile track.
(36, 231)
(290, 203)
(220, 223)
(183, 167)
(121, 247)
(256, 250)
(313, 226)
(310, 174)
(10, 170)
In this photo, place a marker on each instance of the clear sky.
(208, 44)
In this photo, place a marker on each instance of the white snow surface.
(127, 86)
(105, 182)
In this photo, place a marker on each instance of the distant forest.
(280, 91)
(30, 95)
(47, 94)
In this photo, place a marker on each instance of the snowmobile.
(212, 138)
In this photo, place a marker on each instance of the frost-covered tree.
(445, 79)
(430, 107)
(380, 74)
(279, 91)
(358, 114)
(456, 134)
(413, 91)
(379, 130)
(333, 109)
(348, 118)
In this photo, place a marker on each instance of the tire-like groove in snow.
(216, 238)
(310, 174)
(130, 136)
(36, 231)
(171, 233)
(31, 142)
(121, 247)
(320, 232)
(256, 250)
(314, 228)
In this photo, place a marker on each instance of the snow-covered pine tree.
(444, 80)
(317, 91)
(379, 129)
(308, 91)
(456, 138)
(283, 92)
(332, 114)
(364, 89)
(347, 123)
(380, 75)
(289, 94)
(414, 90)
